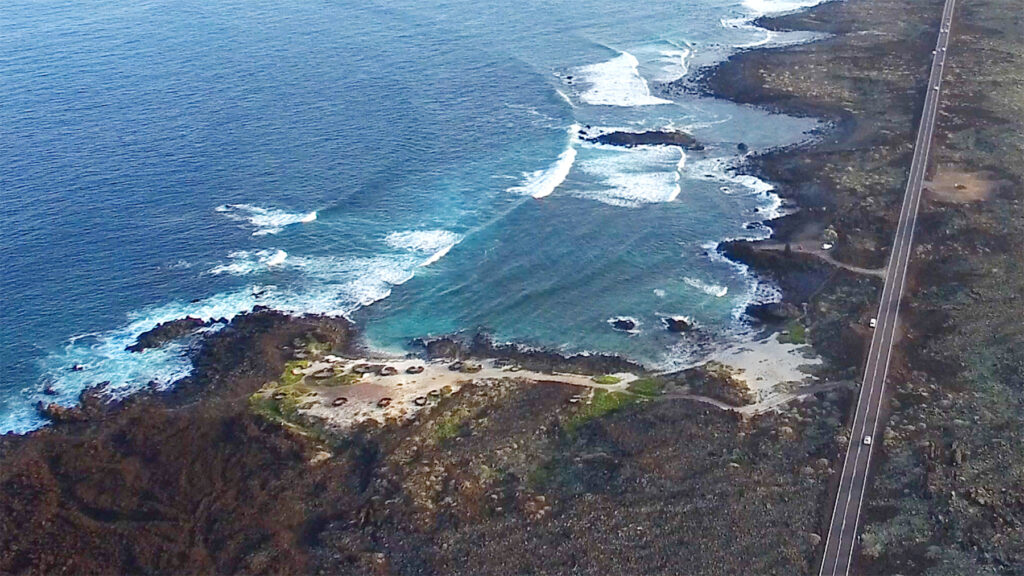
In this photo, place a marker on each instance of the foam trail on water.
(617, 82)
(542, 183)
(245, 262)
(565, 97)
(762, 7)
(709, 289)
(724, 170)
(677, 63)
(436, 243)
(265, 220)
(632, 177)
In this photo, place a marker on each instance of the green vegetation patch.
(646, 387)
(797, 333)
(288, 377)
(602, 403)
(346, 379)
(450, 425)
(607, 379)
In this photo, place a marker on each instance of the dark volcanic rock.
(677, 323)
(773, 312)
(649, 138)
(624, 324)
(57, 413)
(165, 332)
(148, 484)
(481, 346)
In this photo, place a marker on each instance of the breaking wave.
(245, 262)
(265, 220)
(542, 183)
(435, 243)
(617, 82)
(710, 289)
(632, 177)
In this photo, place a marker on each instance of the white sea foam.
(723, 169)
(710, 289)
(246, 262)
(758, 8)
(631, 177)
(542, 183)
(761, 7)
(617, 82)
(435, 243)
(759, 290)
(676, 63)
(265, 220)
(565, 97)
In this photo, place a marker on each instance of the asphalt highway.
(842, 532)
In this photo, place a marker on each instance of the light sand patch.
(957, 187)
(774, 371)
(401, 396)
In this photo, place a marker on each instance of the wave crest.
(265, 220)
(617, 82)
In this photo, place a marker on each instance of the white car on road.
(867, 440)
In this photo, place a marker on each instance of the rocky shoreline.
(956, 359)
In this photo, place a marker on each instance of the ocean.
(416, 166)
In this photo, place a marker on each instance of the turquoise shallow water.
(415, 165)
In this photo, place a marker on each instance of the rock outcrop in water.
(166, 332)
(648, 138)
(481, 346)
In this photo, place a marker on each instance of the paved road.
(842, 532)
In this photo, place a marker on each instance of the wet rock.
(165, 332)
(677, 323)
(623, 324)
(49, 390)
(58, 413)
(77, 368)
(773, 312)
(649, 138)
(742, 147)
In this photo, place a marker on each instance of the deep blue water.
(160, 159)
